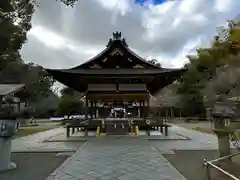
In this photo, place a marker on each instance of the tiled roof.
(115, 71)
(6, 89)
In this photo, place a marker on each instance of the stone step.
(117, 129)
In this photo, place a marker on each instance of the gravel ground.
(33, 166)
(190, 163)
(190, 125)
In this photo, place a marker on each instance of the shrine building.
(117, 79)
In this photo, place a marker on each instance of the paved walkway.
(116, 158)
(35, 142)
(197, 141)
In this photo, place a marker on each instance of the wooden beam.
(118, 96)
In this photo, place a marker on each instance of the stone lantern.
(222, 114)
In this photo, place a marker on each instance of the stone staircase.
(117, 129)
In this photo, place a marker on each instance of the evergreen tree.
(204, 66)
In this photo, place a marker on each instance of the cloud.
(62, 37)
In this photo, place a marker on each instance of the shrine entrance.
(118, 105)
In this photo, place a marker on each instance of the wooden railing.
(210, 164)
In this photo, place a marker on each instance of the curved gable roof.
(117, 42)
(6, 89)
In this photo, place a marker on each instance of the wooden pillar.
(86, 107)
(139, 109)
(166, 131)
(148, 107)
(95, 109)
(161, 129)
(171, 111)
(68, 131)
(91, 109)
(1, 97)
(144, 109)
(97, 112)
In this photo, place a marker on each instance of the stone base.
(5, 155)
(9, 167)
(32, 124)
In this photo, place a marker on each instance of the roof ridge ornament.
(117, 36)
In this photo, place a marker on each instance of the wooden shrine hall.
(117, 84)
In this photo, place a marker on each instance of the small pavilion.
(14, 94)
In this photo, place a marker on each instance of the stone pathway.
(36, 142)
(197, 141)
(116, 158)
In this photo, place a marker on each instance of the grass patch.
(29, 125)
(204, 130)
(28, 131)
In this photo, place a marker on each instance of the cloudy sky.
(63, 37)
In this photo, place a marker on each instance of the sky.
(64, 37)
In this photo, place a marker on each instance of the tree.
(15, 22)
(70, 105)
(70, 102)
(66, 91)
(203, 66)
(38, 83)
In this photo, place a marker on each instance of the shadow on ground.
(190, 163)
(33, 166)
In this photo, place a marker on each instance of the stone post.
(5, 155)
(221, 113)
(7, 130)
(223, 137)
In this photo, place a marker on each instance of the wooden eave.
(79, 78)
(119, 96)
(114, 71)
(124, 65)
